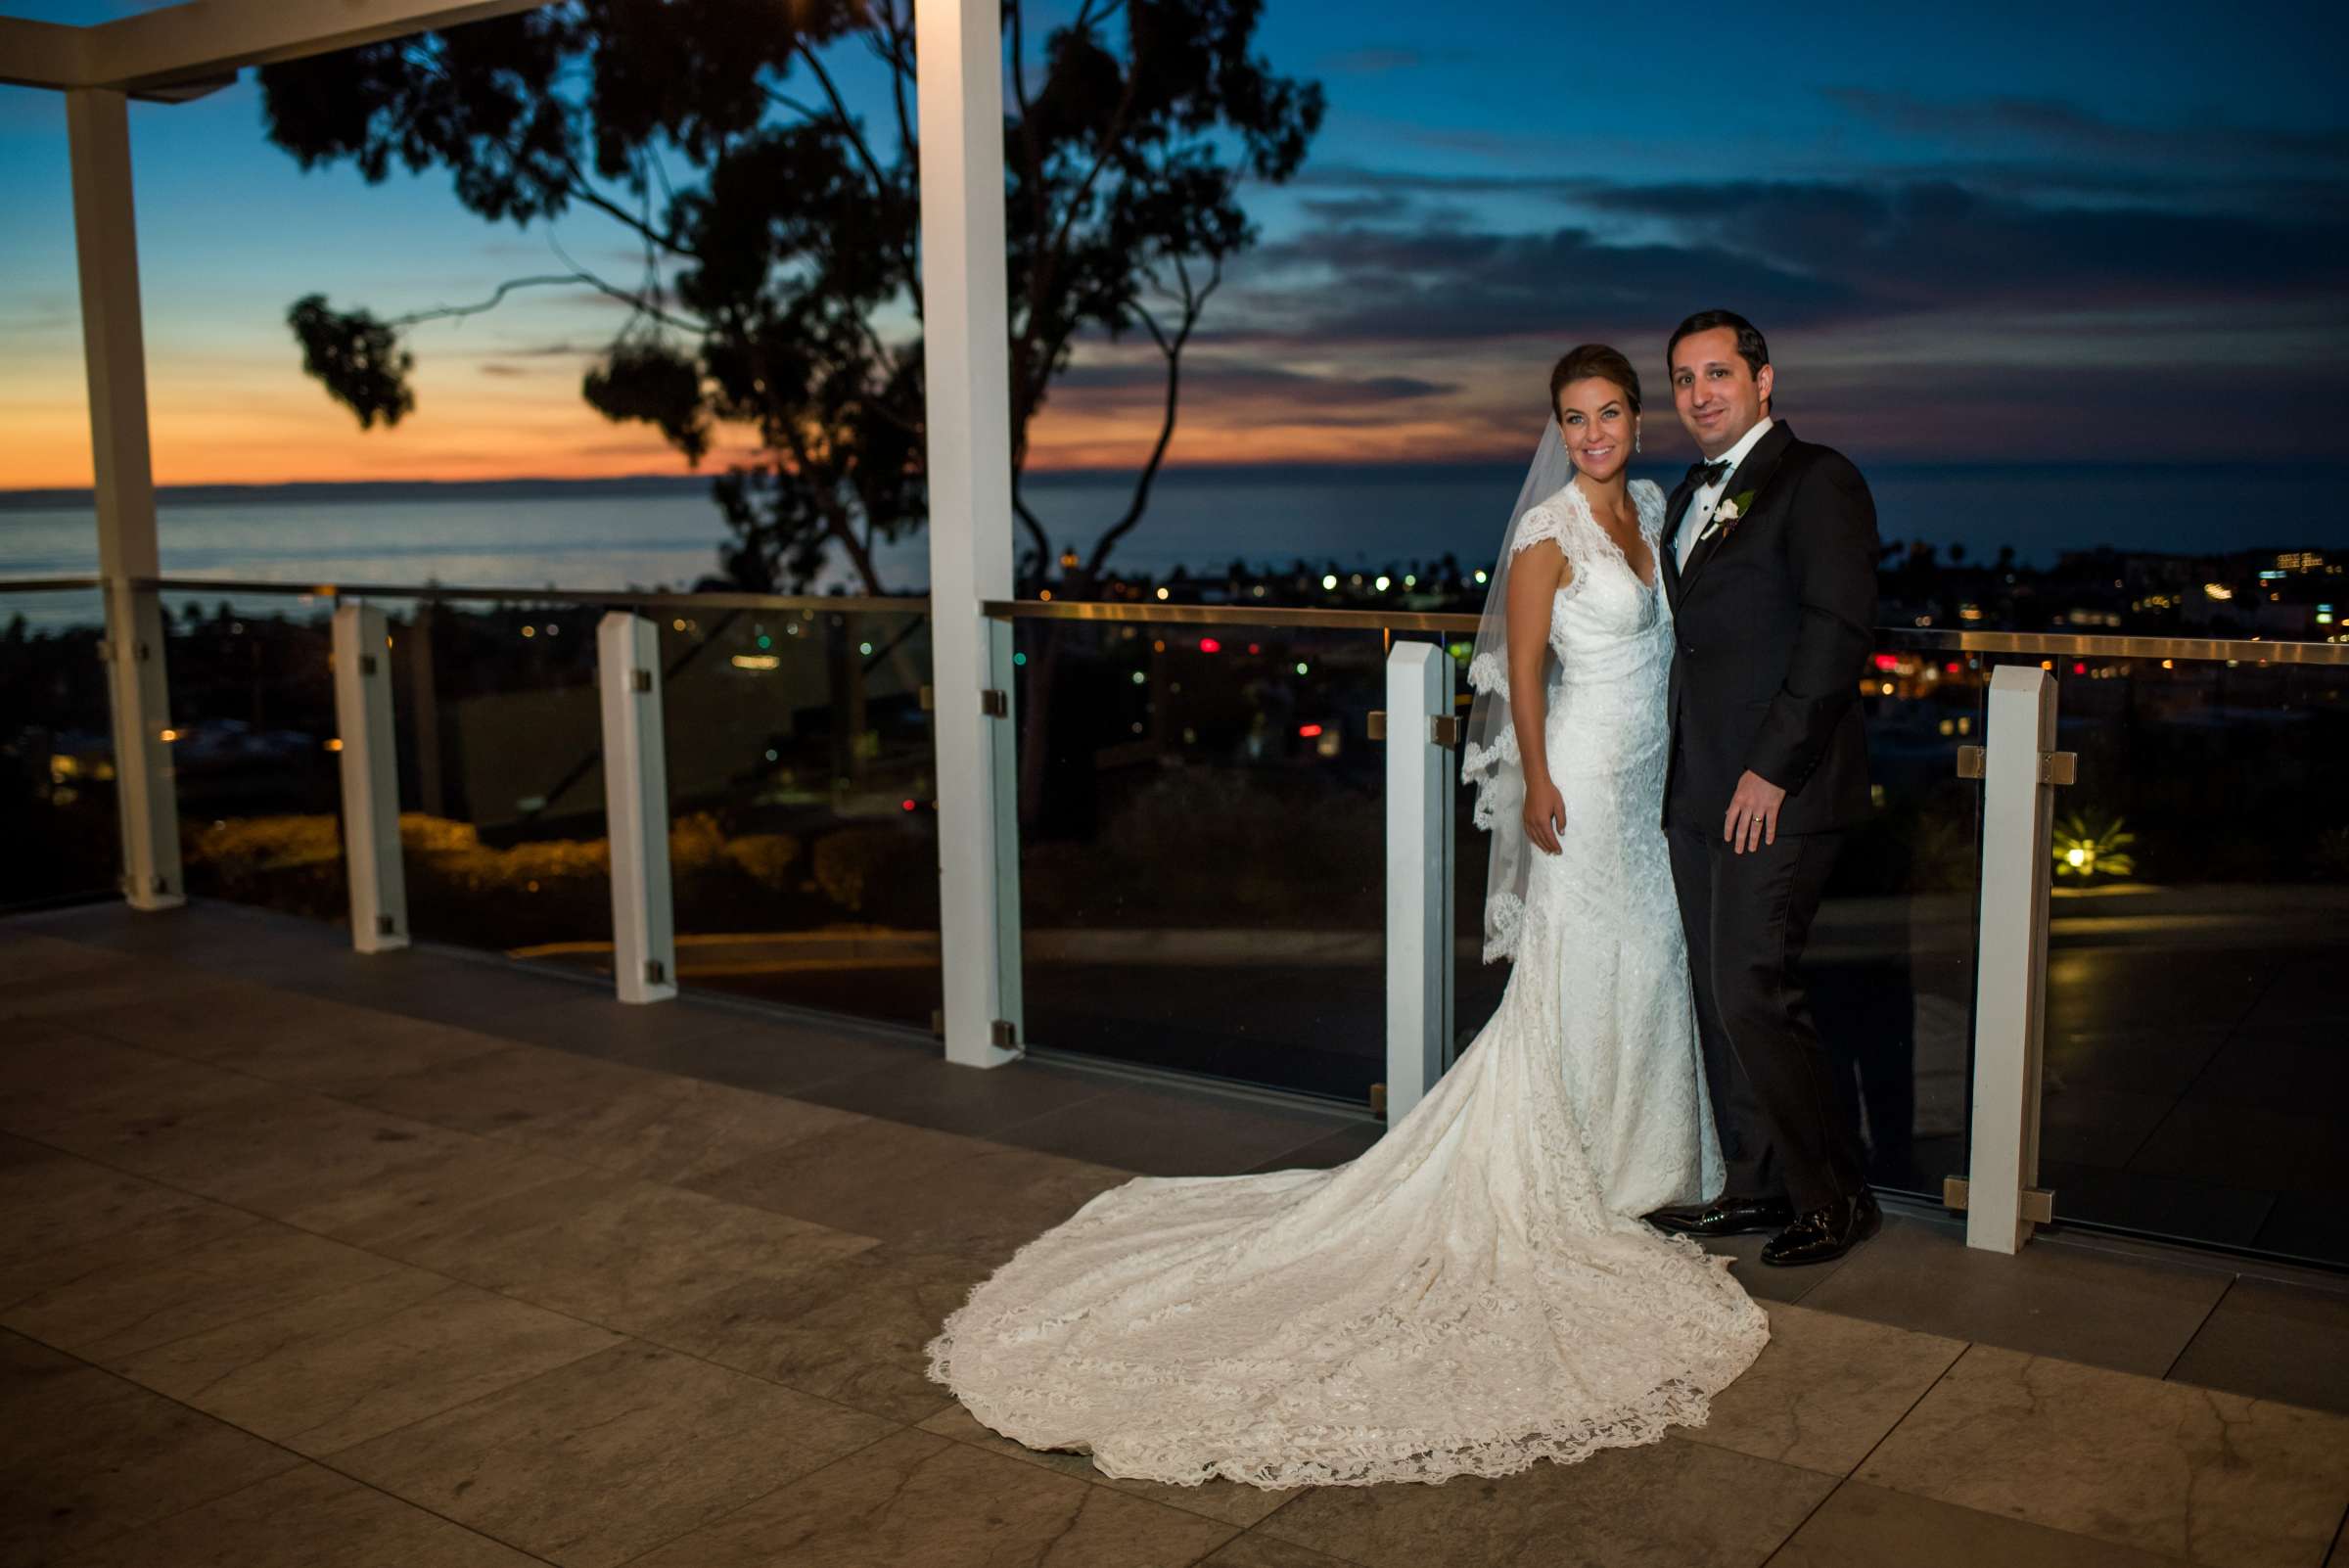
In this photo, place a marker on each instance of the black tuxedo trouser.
(1748, 917)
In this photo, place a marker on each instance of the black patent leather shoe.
(1825, 1235)
(1725, 1216)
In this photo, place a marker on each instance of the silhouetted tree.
(778, 288)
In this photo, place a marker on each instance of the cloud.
(2053, 127)
(1135, 387)
(1428, 285)
(1936, 245)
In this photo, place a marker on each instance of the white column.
(644, 930)
(2012, 966)
(107, 248)
(966, 328)
(1419, 821)
(369, 756)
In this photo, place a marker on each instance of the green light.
(766, 642)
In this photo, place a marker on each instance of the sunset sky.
(1978, 235)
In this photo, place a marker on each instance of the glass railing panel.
(253, 751)
(1891, 956)
(804, 846)
(58, 838)
(1202, 849)
(2199, 939)
(501, 780)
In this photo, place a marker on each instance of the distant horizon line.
(33, 498)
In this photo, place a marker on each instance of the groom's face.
(1719, 396)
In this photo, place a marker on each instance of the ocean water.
(647, 534)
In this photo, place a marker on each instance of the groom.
(1770, 561)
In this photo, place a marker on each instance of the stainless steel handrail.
(2241, 650)
(2204, 650)
(910, 604)
(1216, 615)
(50, 584)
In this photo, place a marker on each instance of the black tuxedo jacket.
(1772, 630)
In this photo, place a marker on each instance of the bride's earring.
(1635, 440)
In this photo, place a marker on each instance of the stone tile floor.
(314, 1260)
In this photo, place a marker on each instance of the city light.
(865, 648)
(1139, 678)
(1482, 576)
(1382, 585)
(908, 805)
(1308, 731)
(1210, 645)
(2217, 590)
(530, 632)
(335, 744)
(756, 660)
(1301, 667)
(1329, 580)
(1162, 593)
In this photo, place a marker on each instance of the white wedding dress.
(1477, 1291)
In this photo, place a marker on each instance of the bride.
(1478, 1290)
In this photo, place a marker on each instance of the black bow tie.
(1702, 475)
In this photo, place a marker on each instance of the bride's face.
(1595, 417)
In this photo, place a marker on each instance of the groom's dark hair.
(1750, 345)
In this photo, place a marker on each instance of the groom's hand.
(1753, 818)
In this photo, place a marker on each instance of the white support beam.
(644, 928)
(379, 887)
(966, 326)
(1419, 823)
(114, 350)
(202, 40)
(2011, 962)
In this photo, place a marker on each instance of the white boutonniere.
(1726, 516)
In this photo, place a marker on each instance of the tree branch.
(1194, 302)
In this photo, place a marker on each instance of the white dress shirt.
(1708, 497)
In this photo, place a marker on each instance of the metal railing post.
(2019, 764)
(644, 940)
(379, 889)
(1420, 734)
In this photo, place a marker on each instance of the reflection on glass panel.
(2199, 940)
(804, 839)
(1891, 957)
(501, 778)
(253, 717)
(1202, 849)
(58, 834)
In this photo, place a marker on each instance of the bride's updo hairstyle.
(1593, 359)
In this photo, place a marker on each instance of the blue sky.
(1980, 235)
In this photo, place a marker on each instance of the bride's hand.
(1544, 814)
